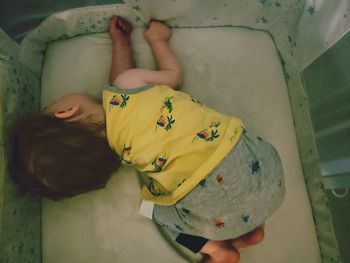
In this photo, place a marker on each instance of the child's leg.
(119, 32)
(227, 251)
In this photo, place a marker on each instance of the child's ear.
(68, 114)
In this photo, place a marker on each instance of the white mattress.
(234, 70)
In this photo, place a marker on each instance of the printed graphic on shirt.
(151, 185)
(126, 155)
(220, 178)
(203, 183)
(254, 166)
(219, 223)
(168, 105)
(178, 227)
(158, 163)
(196, 100)
(118, 100)
(209, 134)
(166, 120)
(245, 218)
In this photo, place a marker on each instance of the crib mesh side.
(20, 212)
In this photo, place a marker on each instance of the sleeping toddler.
(209, 183)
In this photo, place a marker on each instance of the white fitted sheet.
(234, 70)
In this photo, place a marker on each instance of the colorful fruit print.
(115, 101)
(168, 104)
(118, 101)
(126, 154)
(254, 166)
(245, 218)
(203, 183)
(158, 163)
(203, 134)
(161, 122)
(219, 223)
(170, 122)
(127, 150)
(209, 134)
(165, 122)
(179, 228)
(152, 188)
(220, 179)
(214, 125)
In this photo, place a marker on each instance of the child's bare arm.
(158, 36)
(119, 33)
(169, 72)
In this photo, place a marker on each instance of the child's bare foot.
(219, 252)
(252, 238)
(119, 30)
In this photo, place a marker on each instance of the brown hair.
(59, 159)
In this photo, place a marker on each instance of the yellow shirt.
(169, 136)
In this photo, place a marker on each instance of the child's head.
(62, 153)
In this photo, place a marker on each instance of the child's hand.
(157, 31)
(119, 30)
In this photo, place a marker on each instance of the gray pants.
(236, 197)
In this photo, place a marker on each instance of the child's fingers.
(124, 25)
(157, 26)
(117, 20)
(121, 25)
(117, 23)
(154, 21)
(113, 20)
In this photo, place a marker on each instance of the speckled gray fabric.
(236, 197)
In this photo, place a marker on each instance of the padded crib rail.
(20, 226)
(68, 24)
(8, 47)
